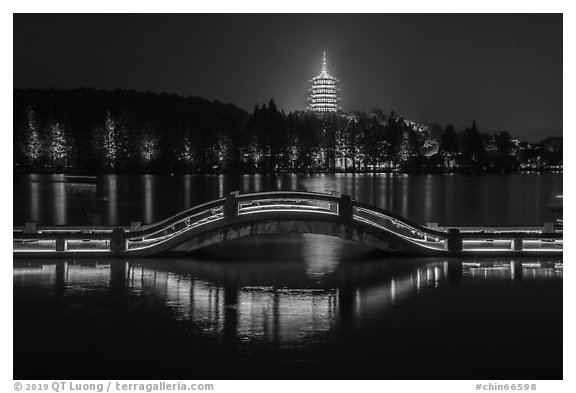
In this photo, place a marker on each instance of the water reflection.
(148, 200)
(428, 195)
(60, 202)
(306, 308)
(187, 192)
(404, 193)
(321, 254)
(34, 201)
(249, 301)
(111, 196)
(514, 270)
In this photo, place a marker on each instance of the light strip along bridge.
(237, 216)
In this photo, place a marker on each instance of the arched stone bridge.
(238, 216)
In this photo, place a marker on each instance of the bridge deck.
(241, 215)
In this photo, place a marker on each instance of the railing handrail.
(62, 235)
(161, 225)
(318, 196)
(86, 233)
(509, 235)
(78, 228)
(399, 218)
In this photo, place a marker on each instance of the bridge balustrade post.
(453, 241)
(61, 245)
(517, 244)
(135, 226)
(345, 208)
(30, 227)
(231, 205)
(333, 206)
(118, 242)
(433, 225)
(548, 227)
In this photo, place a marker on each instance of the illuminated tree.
(147, 147)
(185, 153)
(33, 145)
(109, 143)
(58, 148)
(409, 145)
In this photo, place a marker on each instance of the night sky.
(504, 71)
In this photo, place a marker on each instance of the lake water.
(299, 306)
(450, 199)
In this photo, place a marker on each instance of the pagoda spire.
(324, 65)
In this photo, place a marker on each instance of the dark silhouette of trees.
(503, 161)
(87, 130)
(307, 129)
(473, 151)
(349, 145)
(449, 141)
(503, 144)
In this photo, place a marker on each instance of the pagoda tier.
(324, 91)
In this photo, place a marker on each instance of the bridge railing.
(286, 201)
(339, 205)
(414, 233)
(530, 242)
(119, 239)
(173, 226)
(32, 239)
(226, 208)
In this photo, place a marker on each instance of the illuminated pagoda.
(324, 91)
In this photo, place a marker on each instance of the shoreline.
(180, 173)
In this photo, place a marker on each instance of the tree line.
(122, 131)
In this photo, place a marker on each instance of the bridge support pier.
(118, 242)
(230, 207)
(517, 244)
(453, 242)
(345, 208)
(61, 245)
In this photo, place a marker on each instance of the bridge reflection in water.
(234, 300)
(253, 306)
